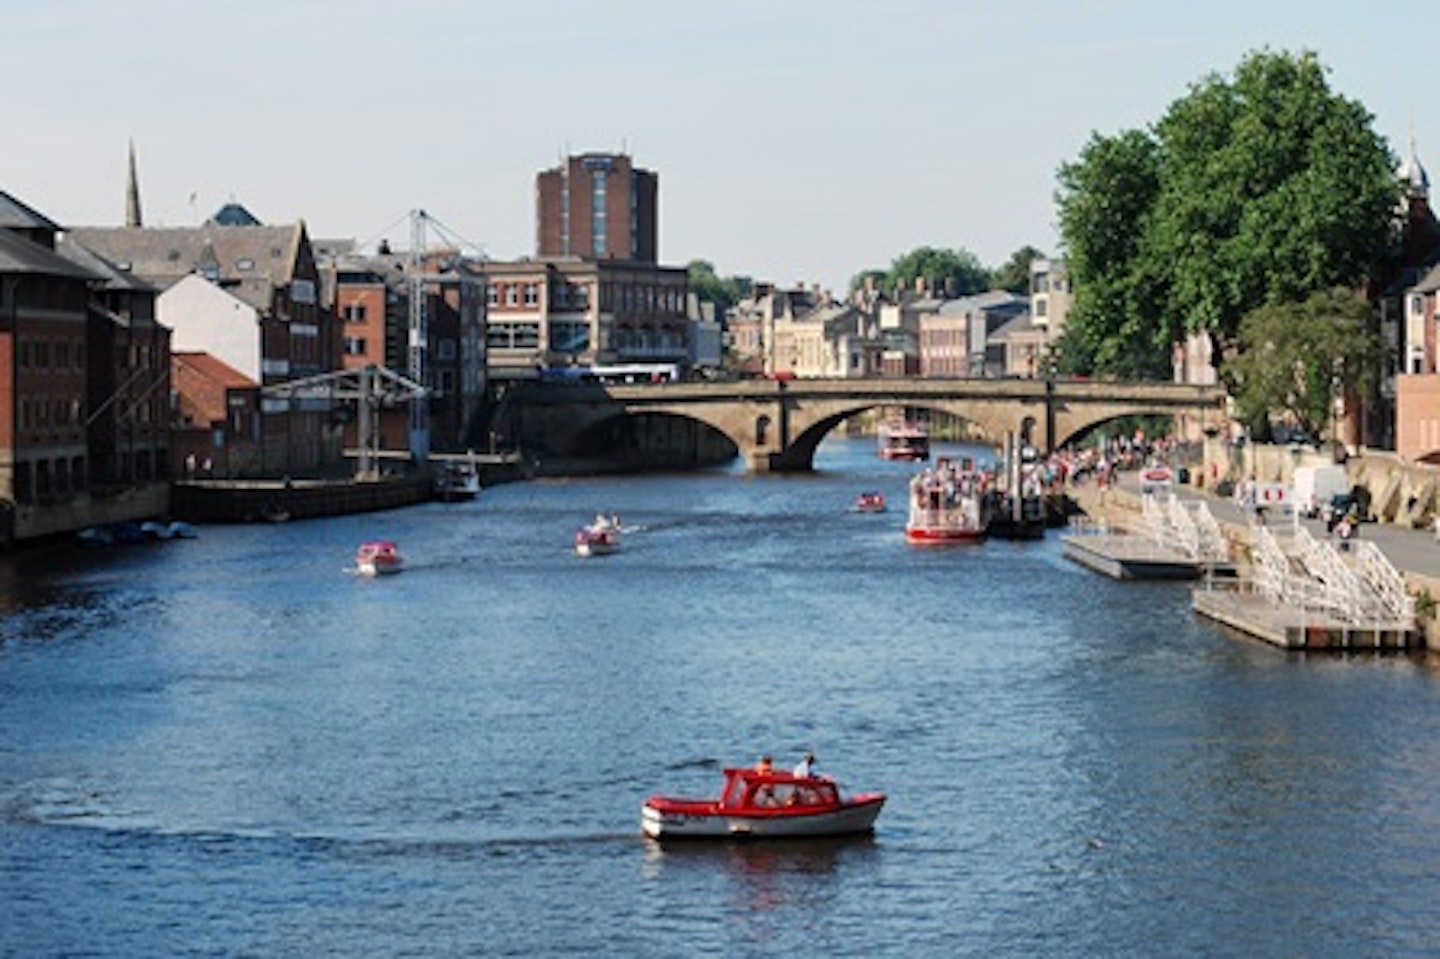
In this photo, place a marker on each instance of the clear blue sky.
(796, 140)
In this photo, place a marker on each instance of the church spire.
(132, 193)
(1412, 175)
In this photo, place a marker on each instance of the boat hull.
(371, 568)
(925, 536)
(595, 548)
(663, 821)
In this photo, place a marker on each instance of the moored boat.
(378, 558)
(869, 502)
(457, 482)
(949, 504)
(600, 538)
(763, 804)
(904, 440)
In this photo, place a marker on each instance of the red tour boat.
(949, 504)
(756, 804)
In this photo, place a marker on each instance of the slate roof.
(1430, 282)
(249, 261)
(19, 255)
(15, 215)
(114, 277)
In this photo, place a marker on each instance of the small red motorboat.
(378, 558)
(600, 538)
(756, 804)
(870, 502)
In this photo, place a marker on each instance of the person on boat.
(765, 766)
(806, 767)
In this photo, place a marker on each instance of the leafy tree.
(954, 272)
(1296, 358)
(724, 292)
(1014, 274)
(1250, 191)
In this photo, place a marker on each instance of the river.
(232, 746)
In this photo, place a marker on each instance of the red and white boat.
(869, 502)
(904, 440)
(378, 558)
(600, 538)
(949, 504)
(755, 804)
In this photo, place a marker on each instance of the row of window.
(40, 413)
(632, 296)
(57, 355)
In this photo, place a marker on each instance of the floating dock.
(1239, 607)
(1127, 556)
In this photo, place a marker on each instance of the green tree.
(1014, 273)
(1296, 358)
(709, 287)
(953, 272)
(1250, 191)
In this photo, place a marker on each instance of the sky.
(796, 141)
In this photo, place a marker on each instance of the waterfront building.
(249, 294)
(1409, 315)
(555, 312)
(128, 388)
(83, 385)
(216, 423)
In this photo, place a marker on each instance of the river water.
(231, 746)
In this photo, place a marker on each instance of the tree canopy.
(724, 292)
(1014, 273)
(1297, 357)
(1249, 191)
(956, 272)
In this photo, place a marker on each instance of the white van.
(1314, 485)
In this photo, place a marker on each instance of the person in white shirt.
(806, 767)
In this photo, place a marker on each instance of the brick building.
(599, 206)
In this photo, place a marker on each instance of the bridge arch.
(776, 425)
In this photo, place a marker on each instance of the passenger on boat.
(806, 767)
(765, 766)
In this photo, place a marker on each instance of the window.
(355, 345)
(355, 312)
(532, 294)
(599, 223)
(511, 297)
(492, 294)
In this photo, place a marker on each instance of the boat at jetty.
(378, 558)
(869, 502)
(600, 538)
(949, 504)
(1020, 511)
(902, 439)
(763, 804)
(457, 482)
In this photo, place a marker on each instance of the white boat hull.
(847, 820)
(378, 569)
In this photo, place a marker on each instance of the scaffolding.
(370, 387)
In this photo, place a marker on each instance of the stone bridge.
(777, 424)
